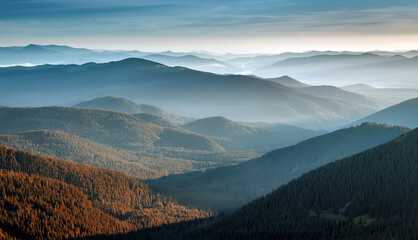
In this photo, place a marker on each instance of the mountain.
(233, 136)
(54, 199)
(251, 63)
(112, 103)
(142, 163)
(344, 69)
(280, 127)
(390, 95)
(371, 195)
(288, 82)
(402, 114)
(343, 95)
(230, 187)
(107, 127)
(194, 62)
(80, 150)
(55, 54)
(159, 121)
(123, 105)
(181, 91)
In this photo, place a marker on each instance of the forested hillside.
(129, 202)
(371, 195)
(230, 187)
(145, 163)
(107, 127)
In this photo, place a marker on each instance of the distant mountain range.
(392, 95)
(316, 67)
(194, 62)
(230, 187)
(344, 69)
(182, 91)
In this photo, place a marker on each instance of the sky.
(238, 26)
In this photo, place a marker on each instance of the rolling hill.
(371, 195)
(55, 199)
(234, 136)
(123, 105)
(230, 187)
(402, 114)
(107, 127)
(145, 163)
(181, 91)
(80, 150)
(343, 95)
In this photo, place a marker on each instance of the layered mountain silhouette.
(182, 91)
(390, 95)
(402, 114)
(229, 187)
(371, 195)
(233, 136)
(343, 95)
(344, 69)
(194, 62)
(53, 199)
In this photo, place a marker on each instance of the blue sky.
(220, 26)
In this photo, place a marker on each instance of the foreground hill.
(106, 127)
(232, 135)
(96, 201)
(182, 91)
(123, 105)
(402, 114)
(229, 187)
(371, 195)
(36, 207)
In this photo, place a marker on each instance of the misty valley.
(118, 144)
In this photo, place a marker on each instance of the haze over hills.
(194, 62)
(106, 127)
(393, 95)
(371, 195)
(344, 69)
(233, 136)
(230, 187)
(288, 82)
(123, 105)
(402, 114)
(182, 91)
(343, 95)
(60, 197)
